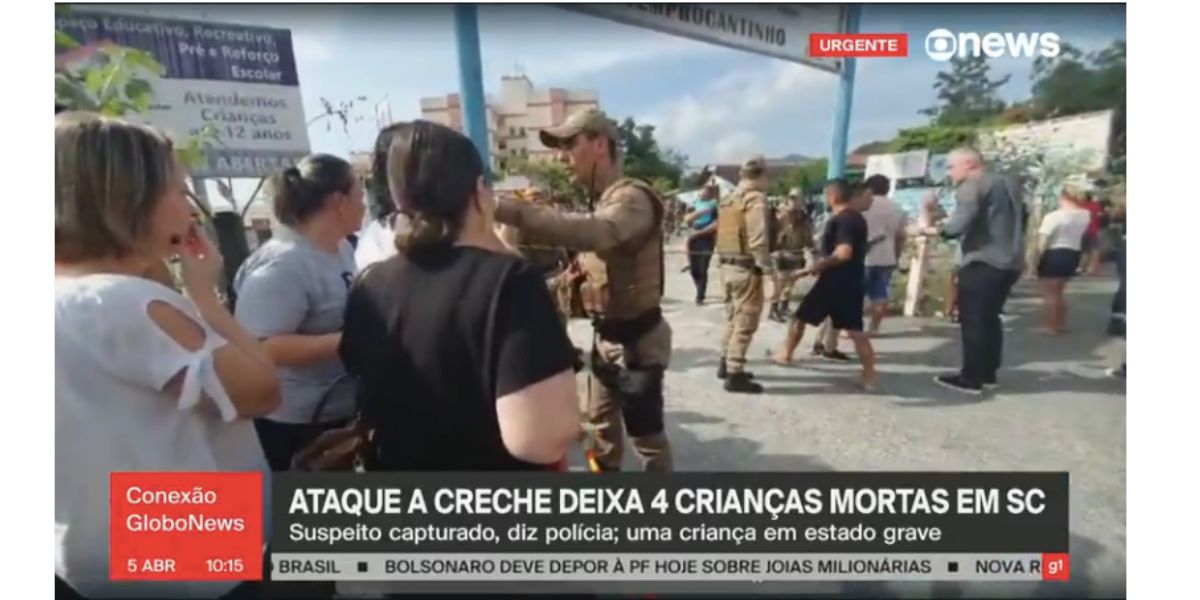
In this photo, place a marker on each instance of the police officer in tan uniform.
(554, 262)
(742, 248)
(794, 243)
(621, 245)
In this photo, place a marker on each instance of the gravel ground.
(1055, 411)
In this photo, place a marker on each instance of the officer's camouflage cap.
(591, 120)
(754, 164)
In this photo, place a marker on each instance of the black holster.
(640, 392)
(627, 331)
(639, 388)
(642, 400)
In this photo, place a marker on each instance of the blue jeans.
(879, 283)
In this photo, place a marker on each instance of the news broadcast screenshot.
(591, 300)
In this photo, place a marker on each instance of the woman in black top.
(463, 362)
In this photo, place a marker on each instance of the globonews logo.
(943, 44)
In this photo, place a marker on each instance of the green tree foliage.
(1073, 83)
(116, 82)
(809, 178)
(645, 159)
(966, 93)
(936, 138)
(553, 175)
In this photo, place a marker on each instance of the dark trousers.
(281, 441)
(982, 292)
(700, 252)
(1116, 323)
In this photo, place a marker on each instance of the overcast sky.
(709, 102)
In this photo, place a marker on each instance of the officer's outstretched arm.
(756, 230)
(617, 222)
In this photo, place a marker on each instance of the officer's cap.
(794, 193)
(591, 120)
(754, 166)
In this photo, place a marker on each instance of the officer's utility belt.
(746, 262)
(789, 261)
(628, 331)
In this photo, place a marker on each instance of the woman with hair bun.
(292, 292)
(464, 363)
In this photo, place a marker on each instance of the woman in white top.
(377, 240)
(1060, 240)
(145, 379)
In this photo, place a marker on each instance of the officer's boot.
(778, 312)
(740, 383)
(784, 311)
(722, 371)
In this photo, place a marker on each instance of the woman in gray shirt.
(292, 292)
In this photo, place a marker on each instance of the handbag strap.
(358, 409)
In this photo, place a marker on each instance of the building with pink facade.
(515, 117)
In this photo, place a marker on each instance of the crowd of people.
(432, 342)
(854, 263)
(150, 378)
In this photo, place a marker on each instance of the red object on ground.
(593, 464)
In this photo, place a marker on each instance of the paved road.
(1055, 411)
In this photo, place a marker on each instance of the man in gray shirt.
(989, 220)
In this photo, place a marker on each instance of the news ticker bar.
(608, 568)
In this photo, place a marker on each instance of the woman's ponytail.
(300, 191)
(432, 172)
(424, 231)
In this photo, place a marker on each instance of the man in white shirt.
(885, 242)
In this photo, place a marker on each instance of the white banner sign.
(903, 165)
(778, 30)
(1084, 137)
(239, 80)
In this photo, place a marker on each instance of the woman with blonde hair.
(145, 378)
(1060, 245)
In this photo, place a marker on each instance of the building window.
(522, 134)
